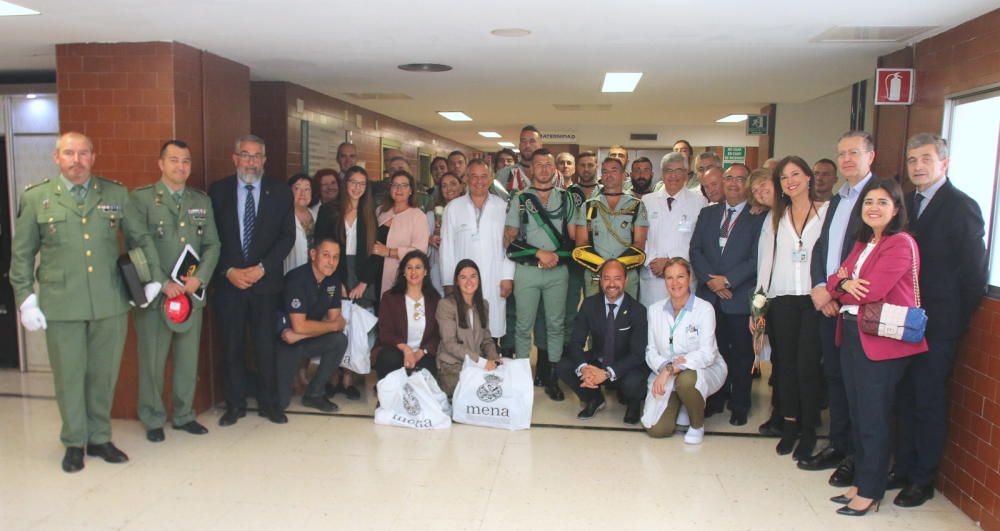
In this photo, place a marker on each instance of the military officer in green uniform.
(538, 238)
(73, 221)
(611, 224)
(583, 189)
(176, 216)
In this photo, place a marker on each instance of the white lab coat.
(694, 338)
(434, 256)
(670, 231)
(460, 238)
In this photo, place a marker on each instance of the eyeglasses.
(357, 184)
(675, 171)
(852, 154)
(400, 186)
(740, 178)
(705, 168)
(247, 157)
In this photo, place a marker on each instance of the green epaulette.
(32, 185)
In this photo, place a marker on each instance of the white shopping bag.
(414, 401)
(501, 398)
(360, 321)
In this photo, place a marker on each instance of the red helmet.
(176, 311)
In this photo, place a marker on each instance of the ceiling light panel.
(8, 9)
(732, 118)
(621, 82)
(506, 144)
(490, 134)
(456, 116)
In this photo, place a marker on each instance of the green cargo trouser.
(532, 284)
(154, 345)
(85, 358)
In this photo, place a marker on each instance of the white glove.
(151, 290)
(31, 317)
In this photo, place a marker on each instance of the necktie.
(177, 199)
(609, 336)
(670, 203)
(916, 204)
(80, 192)
(249, 218)
(727, 224)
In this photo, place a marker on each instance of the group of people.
(620, 283)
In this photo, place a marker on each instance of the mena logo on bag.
(487, 410)
(492, 388)
(410, 402)
(416, 423)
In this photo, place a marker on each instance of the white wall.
(811, 129)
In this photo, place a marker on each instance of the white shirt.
(849, 196)
(670, 228)
(351, 245)
(414, 325)
(853, 308)
(791, 271)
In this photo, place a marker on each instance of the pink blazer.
(409, 231)
(889, 269)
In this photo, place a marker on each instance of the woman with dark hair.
(327, 182)
(449, 187)
(883, 267)
(305, 220)
(402, 227)
(464, 321)
(790, 231)
(407, 330)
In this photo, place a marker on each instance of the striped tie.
(249, 218)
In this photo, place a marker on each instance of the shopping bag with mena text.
(501, 398)
(414, 401)
(360, 321)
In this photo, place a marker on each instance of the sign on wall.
(757, 124)
(733, 154)
(894, 86)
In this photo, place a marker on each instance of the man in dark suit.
(724, 258)
(948, 227)
(615, 323)
(256, 224)
(855, 153)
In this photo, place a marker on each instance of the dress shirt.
(838, 225)
(618, 306)
(241, 200)
(790, 277)
(85, 184)
(351, 245)
(928, 195)
(853, 308)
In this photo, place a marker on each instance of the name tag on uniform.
(800, 256)
(684, 225)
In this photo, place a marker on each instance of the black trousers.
(736, 345)
(871, 390)
(797, 347)
(240, 313)
(840, 419)
(923, 412)
(391, 358)
(329, 347)
(632, 384)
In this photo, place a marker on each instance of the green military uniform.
(173, 221)
(576, 291)
(532, 283)
(610, 232)
(80, 291)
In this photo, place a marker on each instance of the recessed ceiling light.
(511, 32)
(424, 67)
(31, 96)
(456, 116)
(732, 118)
(620, 82)
(490, 134)
(8, 9)
(506, 144)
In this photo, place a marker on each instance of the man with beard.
(518, 177)
(642, 176)
(582, 190)
(457, 164)
(256, 223)
(538, 239)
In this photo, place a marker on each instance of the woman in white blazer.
(683, 355)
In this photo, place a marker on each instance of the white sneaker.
(683, 421)
(694, 435)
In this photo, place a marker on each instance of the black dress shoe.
(914, 495)
(542, 368)
(331, 390)
(825, 460)
(107, 452)
(807, 443)
(714, 407)
(591, 408)
(552, 389)
(771, 428)
(231, 416)
(848, 511)
(155, 435)
(632, 413)
(193, 428)
(352, 392)
(895, 481)
(320, 403)
(73, 460)
(789, 436)
(843, 477)
(738, 418)
(277, 417)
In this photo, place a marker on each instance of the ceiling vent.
(582, 106)
(643, 136)
(381, 96)
(865, 34)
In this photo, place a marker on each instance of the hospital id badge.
(800, 256)
(474, 237)
(684, 225)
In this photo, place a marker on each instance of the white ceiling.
(702, 60)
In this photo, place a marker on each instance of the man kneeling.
(616, 325)
(312, 302)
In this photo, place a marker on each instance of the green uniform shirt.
(534, 234)
(619, 219)
(78, 278)
(173, 226)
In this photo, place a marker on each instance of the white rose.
(439, 211)
(759, 300)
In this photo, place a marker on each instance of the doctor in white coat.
(673, 211)
(683, 355)
(472, 228)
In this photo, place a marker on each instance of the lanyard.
(791, 217)
(673, 327)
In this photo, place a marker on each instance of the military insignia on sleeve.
(530, 206)
(296, 304)
(410, 401)
(492, 388)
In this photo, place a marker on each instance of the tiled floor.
(343, 472)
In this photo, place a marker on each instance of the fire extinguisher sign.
(894, 86)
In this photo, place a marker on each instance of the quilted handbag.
(904, 323)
